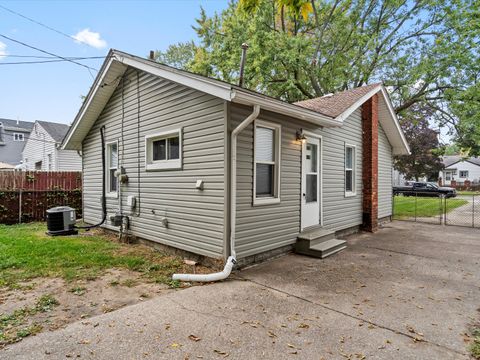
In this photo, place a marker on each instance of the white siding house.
(460, 169)
(216, 170)
(42, 149)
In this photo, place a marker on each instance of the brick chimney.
(370, 164)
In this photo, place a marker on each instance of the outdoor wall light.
(300, 136)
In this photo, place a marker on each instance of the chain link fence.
(462, 210)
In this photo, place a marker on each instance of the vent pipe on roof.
(242, 63)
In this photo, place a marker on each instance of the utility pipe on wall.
(233, 208)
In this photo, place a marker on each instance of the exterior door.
(311, 174)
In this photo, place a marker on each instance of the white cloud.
(91, 38)
(3, 50)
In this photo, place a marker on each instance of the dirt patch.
(51, 303)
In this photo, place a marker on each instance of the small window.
(18, 137)
(267, 163)
(112, 167)
(163, 150)
(49, 162)
(38, 165)
(350, 161)
(463, 174)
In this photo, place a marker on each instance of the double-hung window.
(112, 167)
(463, 174)
(350, 162)
(18, 137)
(164, 150)
(267, 151)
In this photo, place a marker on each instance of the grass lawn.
(404, 206)
(26, 252)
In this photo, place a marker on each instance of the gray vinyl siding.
(68, 160)
(342, 212)
(267, 227)
(384, 175)
(195, 218)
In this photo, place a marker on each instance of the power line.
(44, 25)
(52, 54)
(48, 61)
(29, 138)
(53, 57)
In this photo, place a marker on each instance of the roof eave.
(270, 104)
(67, 143)
(397, 150)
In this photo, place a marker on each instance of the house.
(42, 149)
(460, 169)
(400, 179)
(213, 169)
(13, 134)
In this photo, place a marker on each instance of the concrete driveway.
(408, 292)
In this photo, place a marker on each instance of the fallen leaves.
(194, 338)
(221, 352)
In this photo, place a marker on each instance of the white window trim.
(460, 174)
(108, 193)
(278, 151)
(16, 137)
(159, 165)
(354, 170)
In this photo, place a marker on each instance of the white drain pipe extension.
(233, 209)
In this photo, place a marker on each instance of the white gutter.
(233, 209)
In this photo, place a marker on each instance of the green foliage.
(425, 52)
(26, 252)
(424, 158)
(475, 345)
(46, 303)
(404, 206)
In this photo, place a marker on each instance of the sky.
(52, 91)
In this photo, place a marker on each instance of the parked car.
(424, 189)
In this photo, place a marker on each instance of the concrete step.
(316, 236)
(323, 249)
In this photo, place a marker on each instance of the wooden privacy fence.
(26, 195)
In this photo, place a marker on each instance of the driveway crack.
(353, 316)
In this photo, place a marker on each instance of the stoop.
(318, 242)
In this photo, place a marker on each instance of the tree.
(424, 159)
(424, 51)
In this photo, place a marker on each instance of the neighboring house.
(399, 178)
(42, 149)
(13, 135)
(460, 169)
(5, 166)
(323, 164)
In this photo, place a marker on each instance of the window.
(49, 162)
(38, 165)
(350, 162)
(448, 175)
(463, 174)
(18, 137)
(164, 150)
(267, 163)
(112, 167)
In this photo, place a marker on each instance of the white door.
(311, 173)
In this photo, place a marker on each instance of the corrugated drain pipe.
(233, 209)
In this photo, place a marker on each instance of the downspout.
(231, 261)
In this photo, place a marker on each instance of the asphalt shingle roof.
(452, 159)
(336, 104)
(14, 124)
(57, 131)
